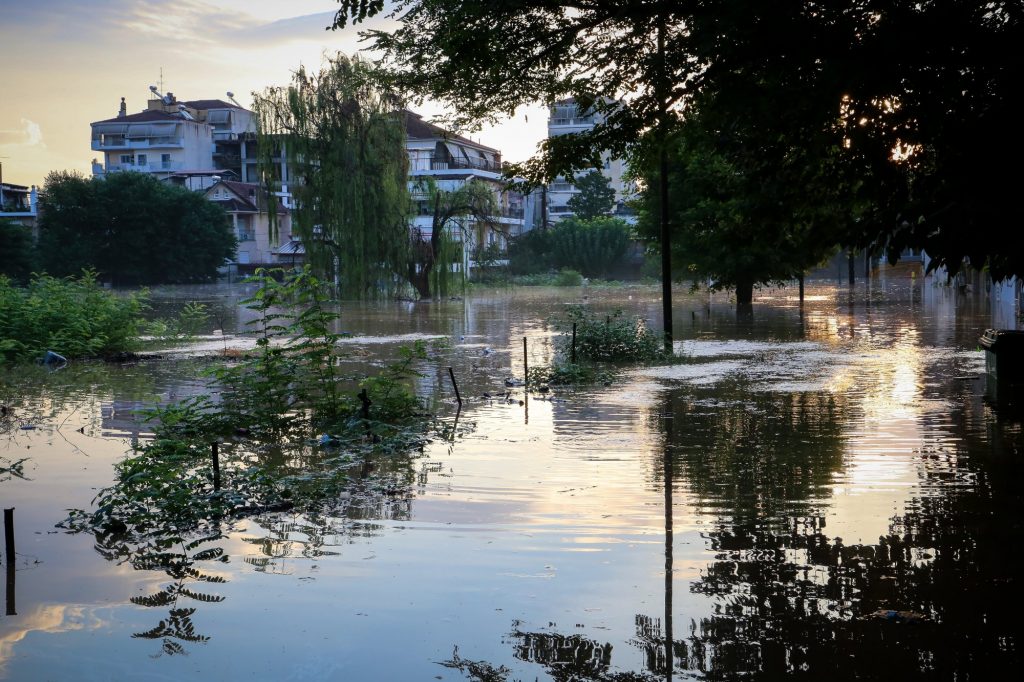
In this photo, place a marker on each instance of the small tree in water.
(456, 217)
(342, 136)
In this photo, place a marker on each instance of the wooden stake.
(455, 385)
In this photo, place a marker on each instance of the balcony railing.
(453, 164)
(120, 142)
(146, 167)
(560, 121)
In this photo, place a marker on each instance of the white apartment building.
(565, 118)
(192, 143)
(452, 160)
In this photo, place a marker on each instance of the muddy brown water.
(827, 492)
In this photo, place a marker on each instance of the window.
(127, 159)
(142, 159)
(165, 161)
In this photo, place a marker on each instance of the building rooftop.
(143, 117)
(417, 128)
(210, 104)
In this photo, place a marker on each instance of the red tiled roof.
(417, 128)
(251, 194)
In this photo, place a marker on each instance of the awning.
(293, 248)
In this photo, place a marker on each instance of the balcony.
(437, 163)
(562, 121)
(145, 168)
(111, 142)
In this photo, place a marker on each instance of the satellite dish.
(231, 96)
(184, 113)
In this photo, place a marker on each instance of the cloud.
(306, 27)
(30, 135)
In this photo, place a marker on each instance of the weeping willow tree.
(459, 218)
(341, 138)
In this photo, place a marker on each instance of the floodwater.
(827, 492)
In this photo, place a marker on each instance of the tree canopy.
(596, 196)
(343, 137)
(132, 229)
(17, 252)
(910, 101)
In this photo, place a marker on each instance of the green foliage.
(184, 327)
(592, 246)
(530, 252)
(132, 229)
(735, 222)
(343, 136)
(567, 278)
(569, 374)
(611, 337)
(281, 397)
(17, 255)
(596, 196)
(895, 90)
(72, 317)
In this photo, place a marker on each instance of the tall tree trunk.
(744, 291)
(800, 278)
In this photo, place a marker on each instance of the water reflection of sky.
(541, 526)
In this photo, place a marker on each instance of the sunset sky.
(67, 63)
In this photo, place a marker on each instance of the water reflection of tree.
(756, 457)
(931, 598)
(566, 658)
(379, 486)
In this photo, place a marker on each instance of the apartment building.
(192, 143)
(566, 118)
(451, 161)
(18, 203)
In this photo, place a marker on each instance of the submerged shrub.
(608, 337)
(75, 317)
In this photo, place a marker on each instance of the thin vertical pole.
(458, 397)
(664, 231)
(526, 366)
(216, 466)
(9, 556)
(9, 536)
(668, 554)
(574, 343)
